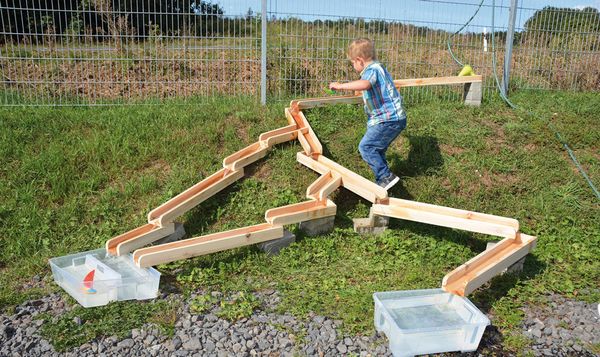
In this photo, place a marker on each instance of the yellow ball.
(466, 71)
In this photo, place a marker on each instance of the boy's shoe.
(389, 182)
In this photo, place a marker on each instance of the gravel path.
(562, 328)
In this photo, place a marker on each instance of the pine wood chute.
(463, 280)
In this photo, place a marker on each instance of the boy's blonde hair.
(362, 47)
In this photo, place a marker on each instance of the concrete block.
(175, 236)
(374, 224)
(513, 269)
(379, 221)
(473, 93)
(274, 246)
(365, 226)
(318, 226)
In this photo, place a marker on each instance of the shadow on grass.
(499, 286)
(424, 158)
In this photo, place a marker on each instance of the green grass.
(71, 178)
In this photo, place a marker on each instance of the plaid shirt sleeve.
(370, 75)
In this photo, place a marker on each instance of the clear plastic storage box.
(95, 278)
(428, 321)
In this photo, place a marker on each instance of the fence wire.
(112, 52)
(557, 48)
(106, 52)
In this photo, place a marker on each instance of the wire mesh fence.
(112, 52)
(98, 52)
(310, 47)
(557, 48)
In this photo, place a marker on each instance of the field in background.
(302, 58)
(71, 178)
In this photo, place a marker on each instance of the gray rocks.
(562, 327)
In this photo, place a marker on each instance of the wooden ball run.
(461, 281)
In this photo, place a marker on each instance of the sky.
(443, 14)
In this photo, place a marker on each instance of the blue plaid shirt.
(382, 101)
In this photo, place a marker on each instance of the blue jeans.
(375, 143)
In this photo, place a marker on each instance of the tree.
(563, 27)
(558, 21)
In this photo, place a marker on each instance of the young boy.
(383, 106)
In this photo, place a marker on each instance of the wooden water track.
(461, 281)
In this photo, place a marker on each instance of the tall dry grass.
(301, 60)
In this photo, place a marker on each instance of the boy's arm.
(358, 85)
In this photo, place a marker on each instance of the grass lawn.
(71, 178)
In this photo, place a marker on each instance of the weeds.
(71, 178)
(80, 325)
(242, 305)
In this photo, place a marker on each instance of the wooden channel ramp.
(461, 281)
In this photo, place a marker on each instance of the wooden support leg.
(472, 93)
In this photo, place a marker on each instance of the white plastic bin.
(428, 321)
(115, 278)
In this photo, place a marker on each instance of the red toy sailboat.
(88, 282)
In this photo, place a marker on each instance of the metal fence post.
(263, 53)
(512, 15)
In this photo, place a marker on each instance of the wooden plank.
(311, 137)
(138, 237)
(283, 130)
(368, 190)
(477, 271)
(432, 81)
(142, 240)
(208, 244)
(246, 156)
(288, 114)
(280, 135)
(437, 219)
(354, 182)
(282, 138)
(313, 189)
(194, 195)
(293, 120)
(324, 186)
(300, 212)
(312, 163)
(323, 101)
(250, 158)
(399, 83)
(308, 140)
(329, 187)
(305, 140)
(305, 144)
(511, 222)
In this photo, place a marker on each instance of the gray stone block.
(513, 269)
(473, 93)
(374, 224)
(318, 226)
(175, 236)
(365, 226)
(275, 245)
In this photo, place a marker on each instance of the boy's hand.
(335, 85)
